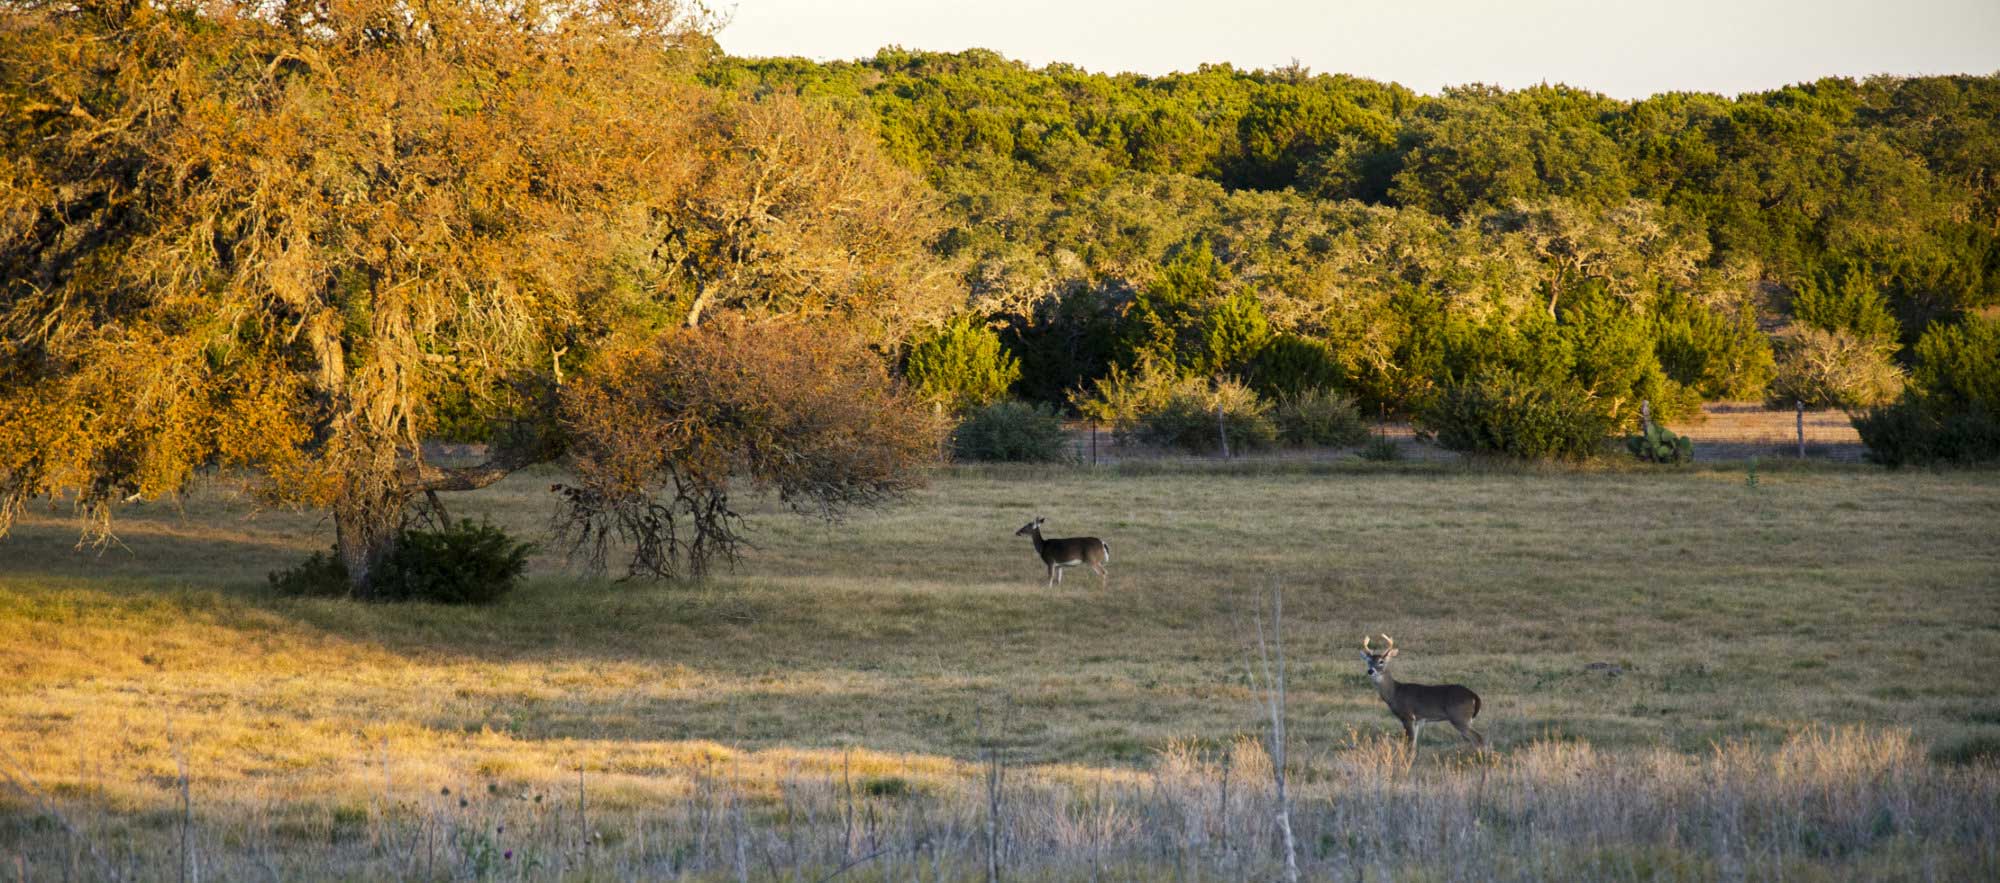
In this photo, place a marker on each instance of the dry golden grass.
(1831, 629)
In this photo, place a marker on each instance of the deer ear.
(1364, 656)
(1391, 654)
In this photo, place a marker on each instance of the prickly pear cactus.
(1658, 444)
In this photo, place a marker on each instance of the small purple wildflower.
(509, 855)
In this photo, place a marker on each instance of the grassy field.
(1803, 685)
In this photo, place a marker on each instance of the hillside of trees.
(1660, 248)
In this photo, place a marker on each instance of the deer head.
(1378, 661)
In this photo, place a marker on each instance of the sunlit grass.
(874, 663)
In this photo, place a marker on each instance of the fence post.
(1093, 443)
(1802, 429)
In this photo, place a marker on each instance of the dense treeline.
(1652, 249)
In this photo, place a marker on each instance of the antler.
(1392, 641)
(1365, 644)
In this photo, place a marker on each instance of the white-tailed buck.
(1064, 552)
(1417, 704)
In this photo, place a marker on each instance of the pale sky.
(1624, 49)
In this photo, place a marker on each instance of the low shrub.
(468, 563)
(1381, 449)
(321, 575)
(1950, 412)
(1501, 412)
(1126, 395)
(1196, 414)
(1658, 444)
(1011, 432)
(1319, 417)
(1907, 433)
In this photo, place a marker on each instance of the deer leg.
(1471, 735)
(1102, 579)
(1059, 574)
(1053, 570)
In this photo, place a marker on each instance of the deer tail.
(1107, 550)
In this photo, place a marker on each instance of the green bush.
(464, 564)
(1319, 417)
(321, 575)
(1502, 412)
(1125, 396)
(1188, 321)
(1188, 418)
(1950, 412)
(1717, 355)
(1907, 433)
(1849, 302)
(1288, 365)
(1013, 432)
(1658, 444)
(1958, 366)
(961, 366)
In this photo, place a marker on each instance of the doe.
(1417, 704)
(1064, 552)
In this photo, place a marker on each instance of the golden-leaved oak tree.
(299, 237)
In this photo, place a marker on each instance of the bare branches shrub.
(658, 435)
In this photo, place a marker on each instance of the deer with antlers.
(1417, 704)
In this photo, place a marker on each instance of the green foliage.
(960, 365)
(1013, 432)
(1950, 413)
(1716, 355)
(1123, 397)
(1114, 219)
(1832, 369)
(1188, 319)
(1063, 345)
(1381, 449)
(1196, 413)
(1848, 303)
(321, 575)
(1507, 413)
(1958, 366)
(1657, 444)
(468, 563)
(1290, 364)
(1906, 433)
(1319, 417)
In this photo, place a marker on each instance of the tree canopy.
(308, 238)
